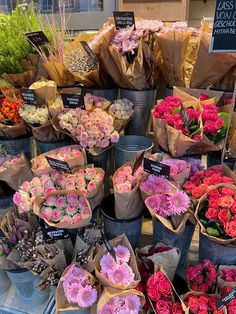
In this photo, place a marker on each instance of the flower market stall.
(106, 186)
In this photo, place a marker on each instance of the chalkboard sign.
(28, 96)
(228, 297)
(88, 50)
(73, 101)
(59, 165)
(224, 27)
(37, 38)
(156, 168)
(51, 233)
(123, 19)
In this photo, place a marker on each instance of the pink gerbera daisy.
(122, 274)
(178, 203)
(107, 309)
(72, 292)
(87, 296)
(133, 303)
(107, 263)
(122, 254)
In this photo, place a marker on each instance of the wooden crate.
(165, 10)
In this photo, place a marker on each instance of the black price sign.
(123, 19)
(28, 96)
(37, 38)
(228, 297)
(224, 27)
(59, 165)
(88, 50)
(73, 101)
(156, 168)
(51, 233)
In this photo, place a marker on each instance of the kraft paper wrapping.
(85, 218)
(61, 301)
(44, 93)
(72, 163)
(95, 198)
(47, 133)
(210, 67)
(221, 282)
(101, 250)
(13, 131)
(128, 205)
(15, 174)
(110, 27)
(110, 293)
(230, 242)
(84, 248)
(160, 132)
(173, 46)
(20, 79)
(167, 260)
(59, 74)
(227, 82)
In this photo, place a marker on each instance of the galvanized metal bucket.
(129, 146)
(48, 146)
(114, 227)
(6, 195)
(109, 93)
(15, 146)
(100, 161)
(143, 101)
(25, 284)
(181, 241)
(6, 202)
(219, 254)
(5, 282)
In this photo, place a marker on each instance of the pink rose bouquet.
(128, 201)
(200, 303)
(78, 287)
(91, 129)
(179, 169)
(63, 209)
(228, 274)
(162, 295)
(92, 101)
(231, 306)
(6, 161)
(202, 277)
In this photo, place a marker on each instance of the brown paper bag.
(59, 74)
(230, 242)
(24, 79)
(128, 205)
(61, 301)
(44, 91)
(46, 133)
(160, 132)
(120, 240)
(39, 203)
(17, 173)
(210, 67)
(110, 293)
(72, 163)
(13, 131)
(168, 260)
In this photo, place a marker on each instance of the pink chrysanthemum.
(178, 203)
(122, 274)
(87, 296)
(107, 263)
(133, 303)
(122, 254)
(72, 291)
(107, 309)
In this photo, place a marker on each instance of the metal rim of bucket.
(21, 270)
(137, 90)
(136, 136)
(2, 138)
(54, 142)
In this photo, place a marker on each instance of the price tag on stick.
(59, 165)
(123, 19)
(73, 101)
(156, 168)
(37, 38)
(28, 96)
(227, 298)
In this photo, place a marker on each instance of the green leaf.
(213, 232)
(176, 110)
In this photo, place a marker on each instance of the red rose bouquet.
(227, 276)
(202, 180)
(199, 303)
(216, 212)
(163, 297)
(231, 306)
(202, 277)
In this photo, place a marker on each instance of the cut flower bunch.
(9, 111)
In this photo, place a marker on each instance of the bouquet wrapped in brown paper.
(106, 300)
(14, 170)
(85, 292)
(160, 255)
(103, 261)
(210, 67)
(128, 201)
(63, 209)
(72, 154)
(44, 91)
(226, 276)
(228, 81)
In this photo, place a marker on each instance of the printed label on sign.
(88, 50)
(51, 233)
(28, 96)
(73, 101)
(224, 27)
(37, 38)
(156, 168)
(228, 297)
(58, 164)
(123, 19)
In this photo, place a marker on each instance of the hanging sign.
(73, 101)
(227, 298)
(37, 38)
(224, 27)
(28, 96)
(156, 168)
(59, 165)
(123, 19)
